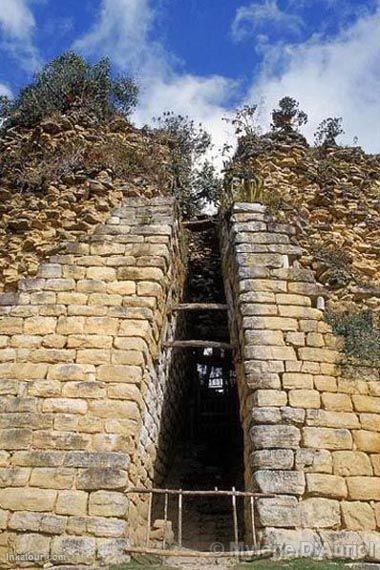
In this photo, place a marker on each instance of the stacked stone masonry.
(311, 422)
(82, 388)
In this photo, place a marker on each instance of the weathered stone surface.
(292, 543)
(343, 544)
(363, 488)
(27, 499)
(358, 516)
(327, 438)
(273, 459)
(314, 461)
(285, 482)
(349, 463)
(320, 484)
(275, 436)
(108, 504)
(74, 550)
(102, 478)
(320, 513)
(281, 511)
(72, 503)
(367, 441)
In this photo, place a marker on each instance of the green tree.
(194, 179)
(328, 131)
(69, 82)
(288, 116)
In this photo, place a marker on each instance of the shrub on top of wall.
(361, 336)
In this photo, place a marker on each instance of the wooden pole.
(198, 344)
(180, 518)
(165, 519)
(234, 513)
(213, 492)
(200, 307)
(149, 518)
(252, 501)
(200, 554)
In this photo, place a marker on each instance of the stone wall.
(83, 387)
(311, 424)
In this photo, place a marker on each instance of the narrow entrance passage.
(208, 451)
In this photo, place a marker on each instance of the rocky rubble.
(62, 178)
(332, 196)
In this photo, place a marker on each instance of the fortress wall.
(311, 421)
(82, 389)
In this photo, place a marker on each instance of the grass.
(298, 564)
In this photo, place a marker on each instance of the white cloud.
(17, 27)
(122, 31)
(336, 77)
(262, 16)
(4, 90)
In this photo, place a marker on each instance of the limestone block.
(11, 325)
(15, 438)
(27, 499)
(350, 463)
(112, 550)
(89, 341)
(132, 357)
(135, 328)
(318, 354)
(90, 459)
(247, 309)
(84, 390)
(270, 398)
(40, 325)
(72, 503)
(59, 285)
(74, 550)
(326, 438)
(271, 323)
(65, 405)
(320, 513)
(93, 356)
(114, 409)
(34, 546)
(295, 338)
(24, 520)
(269, 436)
(369, 404)
(96, 478)
(358, 516)
(280, 511)
(331, 486)
(376, 507)
(265, 415)
(343, 544)
(91, 286)
(14, 477)
(70, 372)
(285, 482)
(261, 337)
(273, 459)
(370, 422)
(367, 441)
(363, 488)
(315, 339)
(38, 458)
(299, 312)
(124, 288)
(70, 325)
(140, 274)
(352, 386)
(270, 353)
(120, 373)
(106, 527)
(289, 299)
(66, 422)
(297, 380)
(149, 289)
(304, 398)
(100, 299)
(325, 383)
(72, 298)
(101, 325)
(291, 543)
(53, 524)
(101, 273)
(326, 418)
(336, 402)
(376, 464)
(52, 478)
(372, 545)
(108, 504)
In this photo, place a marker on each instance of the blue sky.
(204, 57)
